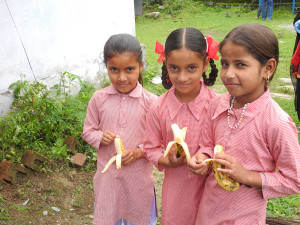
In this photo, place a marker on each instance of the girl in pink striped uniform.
(186, 56)
(124, 196)
(260, 140)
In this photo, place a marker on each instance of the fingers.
(128, 157)
(107, 137)
(197, 166)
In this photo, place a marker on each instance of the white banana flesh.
(179, 142)
(118, 158)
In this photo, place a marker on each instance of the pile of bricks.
(32, 161)
(20, 173)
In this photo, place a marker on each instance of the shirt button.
(123, 98)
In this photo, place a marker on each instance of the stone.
(154, 15)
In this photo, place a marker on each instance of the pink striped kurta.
(266, 139)
(126, 193)
(181, 191)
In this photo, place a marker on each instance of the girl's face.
(185, 69)
(123, 71)
(242, 74)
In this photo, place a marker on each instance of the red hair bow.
(159, 49)
(212, 48)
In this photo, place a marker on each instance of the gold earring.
(268, 79)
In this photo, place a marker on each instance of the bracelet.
(266, 181)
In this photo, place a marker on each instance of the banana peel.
(118, 158)
(179, 143)
(222, 179)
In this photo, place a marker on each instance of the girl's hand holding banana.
(175, 161)
(131, 155)
(196, 164)
(234, 170)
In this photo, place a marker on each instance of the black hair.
(259, 41)
(121, 43)
(192, 39)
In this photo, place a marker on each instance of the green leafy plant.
(42, 117)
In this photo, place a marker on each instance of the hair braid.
(166, 82)
(212, 75)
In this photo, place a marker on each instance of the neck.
(240, 101)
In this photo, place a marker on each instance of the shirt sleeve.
(91, 132)
(283, 143)
(153, 144)
(206, 140)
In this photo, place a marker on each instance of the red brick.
(14, 172)
(78, 159)
(71, 144)
(33, 160)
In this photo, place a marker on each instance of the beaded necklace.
(242, 115)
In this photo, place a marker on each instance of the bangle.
(266, 181)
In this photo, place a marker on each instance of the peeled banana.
(179, 142)
(118, 158)
(222, 179)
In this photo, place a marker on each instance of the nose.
(228, 73)
(122, 76)
(182, 77)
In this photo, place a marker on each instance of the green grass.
(213, 21)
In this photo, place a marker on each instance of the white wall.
(59, 36)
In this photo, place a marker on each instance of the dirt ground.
(68, 189)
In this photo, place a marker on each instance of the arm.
(153, 144)
(284, 147)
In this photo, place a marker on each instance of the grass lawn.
(217, 22)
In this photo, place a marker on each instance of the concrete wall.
(58, 36)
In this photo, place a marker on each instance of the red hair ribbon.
(212, 48)
(167, 78)
(159, 49)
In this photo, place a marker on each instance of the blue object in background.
(297, 26)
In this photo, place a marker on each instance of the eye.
(224, 64)
(114, 69)
(191, 68)
(241, 65)
(173, 68)
(129, 69)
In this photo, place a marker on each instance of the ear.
(206, 63)
(142, 65)
(269, 68)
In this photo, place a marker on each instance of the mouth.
(182, 85)
(122, 84)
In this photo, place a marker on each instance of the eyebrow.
(235, 61)
(191, 64)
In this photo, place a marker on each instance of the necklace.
(242, 115)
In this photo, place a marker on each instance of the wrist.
(139, 153)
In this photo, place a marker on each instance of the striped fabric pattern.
(266, 140)
(126, 193)
(181, 191)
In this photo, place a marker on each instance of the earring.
(268, 79)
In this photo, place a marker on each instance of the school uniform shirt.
(126, 193)
(181, 191)
(265, 141)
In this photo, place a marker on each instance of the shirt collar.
(196, 106)
(135, 93)
(250, 111)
